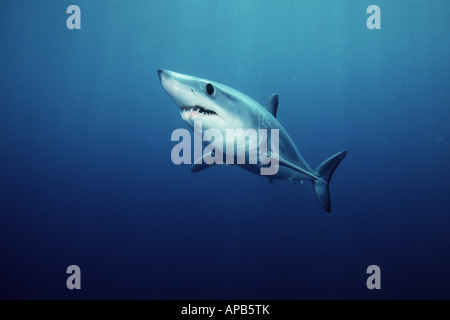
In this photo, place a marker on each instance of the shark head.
(215, 105)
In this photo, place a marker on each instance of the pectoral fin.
(201, 165)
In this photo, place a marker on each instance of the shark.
(220, 107)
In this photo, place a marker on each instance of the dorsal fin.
(272, 104)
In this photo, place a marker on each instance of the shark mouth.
(196, 112)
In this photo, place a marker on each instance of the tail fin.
(326, 170)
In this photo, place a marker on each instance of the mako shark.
(221, 107)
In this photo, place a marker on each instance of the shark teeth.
(195, 112)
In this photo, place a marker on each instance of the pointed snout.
(167, 74)
(176, 86)
(161, 72)
(167, 79)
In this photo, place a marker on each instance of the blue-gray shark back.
(222, 108)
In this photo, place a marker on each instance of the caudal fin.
(326, 170)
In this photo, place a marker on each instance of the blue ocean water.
(86, 176)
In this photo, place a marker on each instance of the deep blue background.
(86, 176)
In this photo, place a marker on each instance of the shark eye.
(210, 89)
